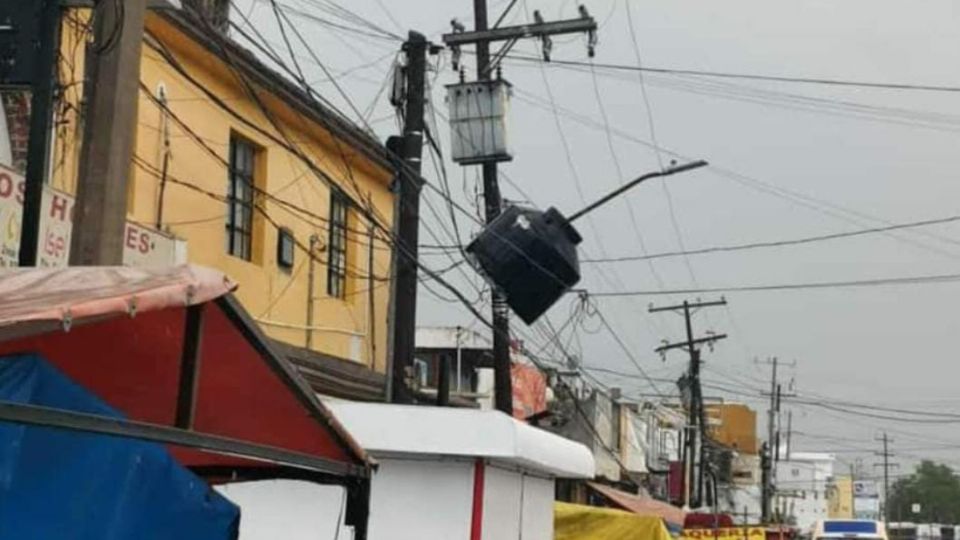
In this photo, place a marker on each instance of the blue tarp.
(60, 484)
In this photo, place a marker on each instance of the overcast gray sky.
(850, 158)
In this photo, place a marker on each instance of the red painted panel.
(240, 396)
(131, 363)
(134, 365)
(476, 518)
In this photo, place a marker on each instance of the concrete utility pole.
(765, 484)
(696, 415)
(409, 147)
(110, 121)
(41, 115)
(773, 431)
(502, 384)
(481, 36)
(886, 455)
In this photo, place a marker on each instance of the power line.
(821, 206)
(777, 243)
(910, 280)
(759, 77)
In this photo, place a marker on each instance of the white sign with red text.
(142, 246)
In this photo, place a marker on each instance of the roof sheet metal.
(385, 430)
(644, 506)
(73, 293)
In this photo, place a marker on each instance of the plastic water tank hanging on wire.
(531, 256)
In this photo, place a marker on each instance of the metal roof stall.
(448, 472)
(176, 353)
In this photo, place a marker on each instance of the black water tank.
(531, 255)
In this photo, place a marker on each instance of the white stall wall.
(515, 503)
(288, 509)
(501, 504)
(538, 496)
(421, 500)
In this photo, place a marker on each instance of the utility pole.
(110, 121)
(696, 415)
(409, 148)
(773, 431)
(41, 116)
(789, 432)
(765, 483)
(502, 383)
(886, 455)
(482, 36)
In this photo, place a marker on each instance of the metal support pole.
(410, 148)
(38, 145)
(189, 367)
(765, 483)
(311, 287)
(443, 380)
(100, 211)
(459, 363)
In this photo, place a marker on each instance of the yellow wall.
(840, 498)
(197, 181)
(736, 427)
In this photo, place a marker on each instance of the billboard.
(142, 246)
(839, 498)
(866, 489)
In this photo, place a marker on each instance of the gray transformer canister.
(478, 121)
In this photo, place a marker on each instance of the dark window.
(240, 197)
(337, 263)
(285, 249)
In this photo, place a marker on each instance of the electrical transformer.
(478, 121)
(531, 256)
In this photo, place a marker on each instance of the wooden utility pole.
(110, 121)
(696, 415)
(886, 455)
(41, 116)
(482, 36)
(409, 148)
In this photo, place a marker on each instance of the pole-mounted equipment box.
(531, 256)
(478, 121)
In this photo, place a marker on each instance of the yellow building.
(733, 425)
(840, 498)
(253, 176)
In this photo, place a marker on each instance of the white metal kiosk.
(460, 473)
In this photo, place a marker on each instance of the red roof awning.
(172, 347)
(644, 506)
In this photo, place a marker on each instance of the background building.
(236, 168)
(803, 482)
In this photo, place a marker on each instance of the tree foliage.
(934, 487)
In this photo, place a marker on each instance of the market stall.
(460, 473)
(175, 361)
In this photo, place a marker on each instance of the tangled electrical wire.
(110, 42)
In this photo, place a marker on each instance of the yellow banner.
(732, 533)
(576, 522)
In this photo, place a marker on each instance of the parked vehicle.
(848, 529)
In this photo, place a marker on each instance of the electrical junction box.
(531, 256)
(478, 121)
